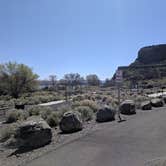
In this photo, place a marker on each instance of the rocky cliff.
(151, 55)
(150, 64)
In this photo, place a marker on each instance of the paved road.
(142, 137)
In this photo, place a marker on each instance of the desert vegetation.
(25, 108)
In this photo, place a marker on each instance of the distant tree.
(108, 82)
(73, 83)
(16, 79)
(93, 80)
(73, 79)
(53, 80)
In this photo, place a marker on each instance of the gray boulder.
(71, 122)
(105, 114)
(127, 107)
(33, 133)
(146, 105)
(164, 98)
(157, 102)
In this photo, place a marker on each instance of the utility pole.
(119, 79)
(119, 103)
(66, 93)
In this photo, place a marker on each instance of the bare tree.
(93, 80)
(53, 80)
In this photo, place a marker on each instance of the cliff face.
(151, 55)
(150, 64)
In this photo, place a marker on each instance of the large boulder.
(157, 102)
(105, 114)
(146, 105)
(164, 98)
(33, 133)
(71, 122)
(127, 107)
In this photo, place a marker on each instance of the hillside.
(151, 55)
(149, 65)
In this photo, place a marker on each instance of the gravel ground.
(58, 140)
(138, 140)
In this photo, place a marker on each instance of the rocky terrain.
(151, 55)
(149, 66)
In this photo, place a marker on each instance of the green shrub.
(5, 97)
(32, 100)
(62, 110)
(107, 99)
(78, 98)
(15, 115)
(9, 104)
(45, 112)
(39, 97)
(93, 105)
(20, 101)
(35, 110)
(139, 100)
(7, 132)
(86, 112)
(114, 104)
(53, 119)
(39, 110)
(98, 97)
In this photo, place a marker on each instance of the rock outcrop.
(150, 64)
(151, 55)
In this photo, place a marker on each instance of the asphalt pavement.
(139, 139)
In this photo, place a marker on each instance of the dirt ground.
(12, 157)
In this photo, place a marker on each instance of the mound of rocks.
(71, 122)
(33, 133)
(146, 105)
(105, 114)
(157, 102)
(128, 107)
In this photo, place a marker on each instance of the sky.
(79, 36)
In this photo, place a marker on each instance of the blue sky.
(84, 36)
